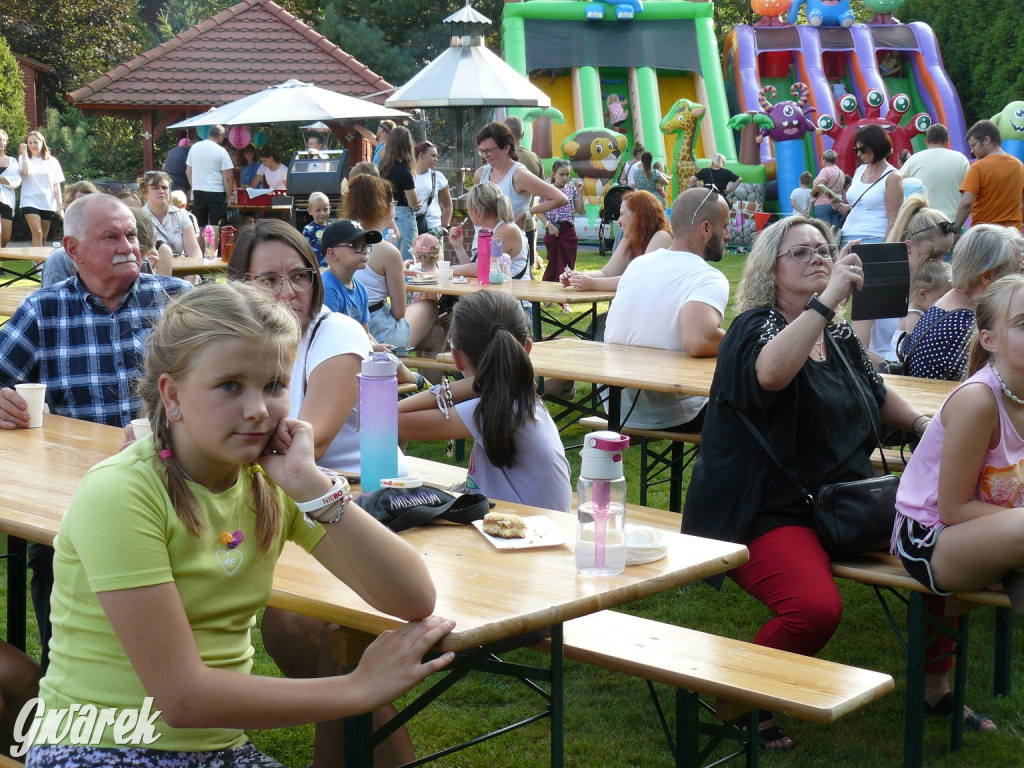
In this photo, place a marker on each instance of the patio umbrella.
(291, 102)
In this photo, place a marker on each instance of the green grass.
(610, 722)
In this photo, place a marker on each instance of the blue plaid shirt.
(87, 356)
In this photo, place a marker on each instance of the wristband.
(921, 424)
(821, 309)
(339, 490)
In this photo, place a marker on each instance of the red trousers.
(788, 571)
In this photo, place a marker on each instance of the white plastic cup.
(141, 428)
(35, 396)
(443, 264)
(444, 276)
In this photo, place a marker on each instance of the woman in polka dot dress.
(938, 347)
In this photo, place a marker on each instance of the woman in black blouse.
(778, 367)
(396, 165)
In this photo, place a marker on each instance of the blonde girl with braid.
(168, 551)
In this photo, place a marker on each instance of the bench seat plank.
(802, 686)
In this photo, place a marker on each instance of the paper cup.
(35, 396)
(444, 277)
(141, 428)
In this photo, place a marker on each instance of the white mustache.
(123, 259)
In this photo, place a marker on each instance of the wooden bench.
(887, 576)
(11, 297)
(695, 663)
(894, 457)
(674, 458)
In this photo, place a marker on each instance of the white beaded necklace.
(1006, 389)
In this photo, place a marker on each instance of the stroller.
(610, 205)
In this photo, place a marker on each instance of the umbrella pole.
(460, 159)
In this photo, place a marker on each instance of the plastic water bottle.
(506, 267)
(378, 420)
(497, 276)
(483, 257)
(601, 514)
(208, 238)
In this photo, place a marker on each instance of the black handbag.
(852, 517)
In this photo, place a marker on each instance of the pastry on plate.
(504, 525)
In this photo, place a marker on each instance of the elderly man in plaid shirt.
(83, 338)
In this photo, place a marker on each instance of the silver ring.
(853, 267)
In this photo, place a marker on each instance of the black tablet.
(886, 281)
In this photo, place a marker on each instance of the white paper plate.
(421, 281)
(540, 532)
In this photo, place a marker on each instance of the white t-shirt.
(645, 313)
(423, 192)
(207, 159)
(942, 172)
(540, 476)
(12, 173)
(337, 334)
(274, 179)
(37, 186)
(801, 197)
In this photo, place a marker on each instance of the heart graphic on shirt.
(229, 560)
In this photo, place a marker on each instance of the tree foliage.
(78, 39)
(982, 44)
(12, 96)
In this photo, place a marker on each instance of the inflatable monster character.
(683, 121)
(1011, 128)
(770, 11)
(824, 13)
(844, 133)
(594, 154)
(884, 10)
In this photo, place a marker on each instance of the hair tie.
(495, 328)
(255, 469)
(165, 454)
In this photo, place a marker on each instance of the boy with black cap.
(345, 246)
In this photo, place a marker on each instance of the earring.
(174, 415)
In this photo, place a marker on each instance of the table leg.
(1004, 641)
(359, 741)
(557, 698)
(17, 582)
(917, 639)
(614, 408)
(537, 328)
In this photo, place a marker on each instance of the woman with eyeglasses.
(876, 192)
(324, 393)
(497, 147)
(172, 224)
(780, 372)
(645, 229)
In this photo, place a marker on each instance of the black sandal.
(944, 708)
(771, 734)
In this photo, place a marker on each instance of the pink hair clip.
(165, 454)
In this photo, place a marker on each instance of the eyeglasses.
(356, 247)
(711, 191)
(301, 280)
(860, 150)
(485, 153)
(803, 253)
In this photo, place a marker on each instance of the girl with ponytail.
(518, 455)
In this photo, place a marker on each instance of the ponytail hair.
(992, 310)
(211, 313)
(490, 330)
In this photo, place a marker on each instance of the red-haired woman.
(645, 228)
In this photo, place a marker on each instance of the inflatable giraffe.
(682, 121)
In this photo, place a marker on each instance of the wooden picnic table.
(11, 297)
(35, 255)
(493, 595)
(538, 293)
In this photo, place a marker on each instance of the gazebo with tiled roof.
(244, 49)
